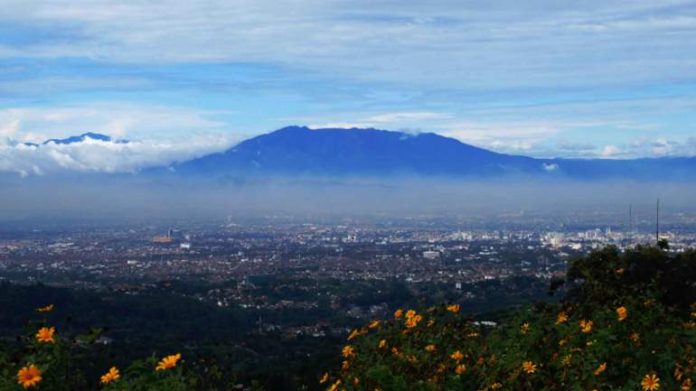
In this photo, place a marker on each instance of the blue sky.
(542, 78)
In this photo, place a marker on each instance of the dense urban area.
(279, 294)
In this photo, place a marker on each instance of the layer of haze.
(56, 199)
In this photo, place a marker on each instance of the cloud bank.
(103, 156)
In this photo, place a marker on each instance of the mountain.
(83, 137)
(300, 151)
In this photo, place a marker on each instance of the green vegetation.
(627, 322)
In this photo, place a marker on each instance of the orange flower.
(459, 369)
(398, 313)
(650, 382)
(686, 386)
(457, 356)
(410, 314)
(348, 351)
(529, 367)
(601, 368)
(47, 308)
(374, 324)
(413, 321)
(29, 376)
(586, 326)
(621, 313)
(168, 362)
(45, 334)
(430, 348)
(561, 318)
(382, 343)
(345, 365)
(110, 376)
(454, 308)
(324, 378)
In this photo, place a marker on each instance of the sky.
(612, 79)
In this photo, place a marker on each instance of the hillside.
(302, 151)
(627, 322)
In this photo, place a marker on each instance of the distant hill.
(83, 137)
(298, 150)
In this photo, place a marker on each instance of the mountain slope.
(300, 150)
(369, 152)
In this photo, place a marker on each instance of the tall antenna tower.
(657, 223)
(630, 222)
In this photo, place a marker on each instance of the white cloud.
(36, 124)
(103, 156)
(159, 135)
(451, 44)
(610, 151)
(388, 120)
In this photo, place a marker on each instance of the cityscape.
(355, 195)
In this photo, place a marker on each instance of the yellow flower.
(45, 334)
(29, 376)
(110, 376)
(334, 386)
(324, 378)
(47, 308)
(374, 324)
(586, 326)
(496, 386)
(650, 382)
(524, 329)
(345, 365)
(382, 343)
(430, 348)
(459, 369)
(410, 314)
(454, 308)
(348, 351)
(561, 318)
(398, 313)
(601, 368)
(353, 334)
(168, 362)
(621, 313)
(457, 356)
(529, 367)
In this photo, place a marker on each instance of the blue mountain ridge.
(297, 150)
(81, 138)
